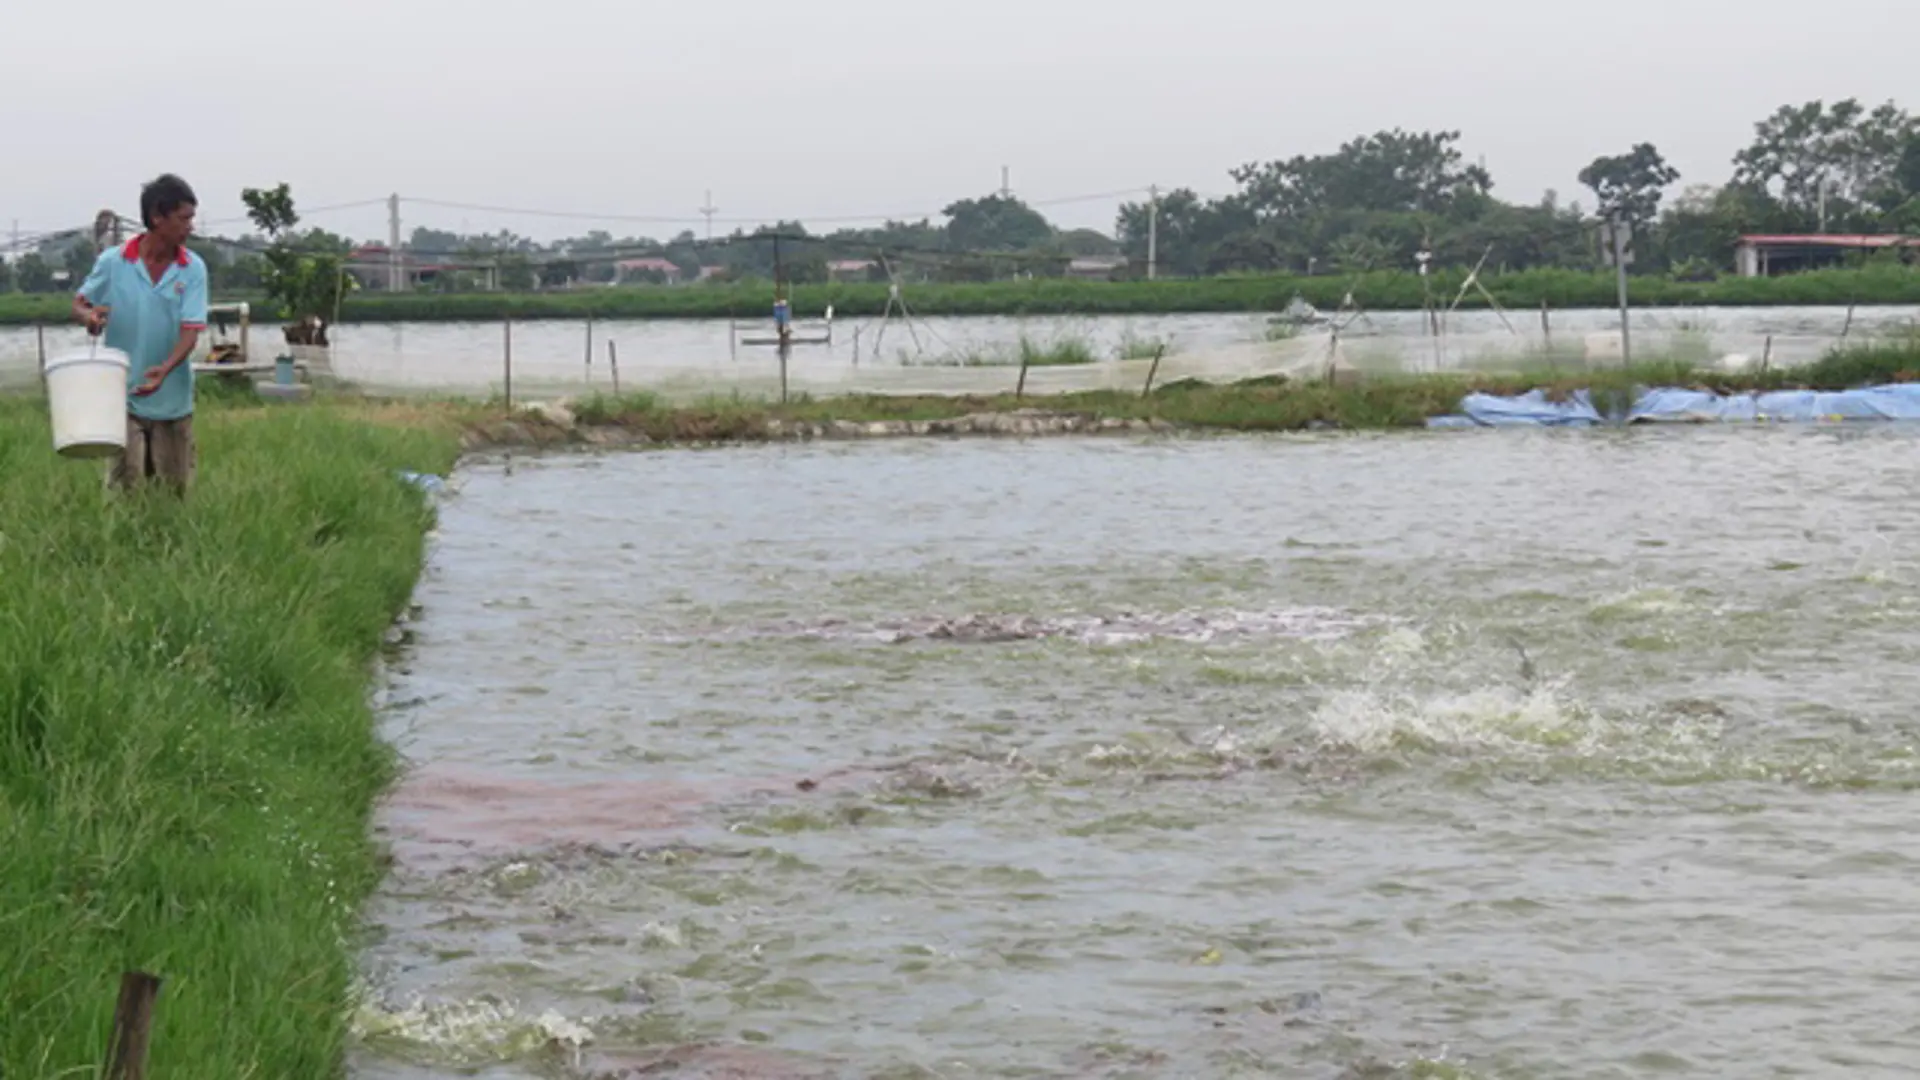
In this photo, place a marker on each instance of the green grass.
(187, 755)
(1385, 290)
(1271, 403)
(1061, 352)
(1066, 350)
(1859, 363)
(1142, 347)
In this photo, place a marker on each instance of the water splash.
(468, 1033)
(1489, 718)
(1122, 628)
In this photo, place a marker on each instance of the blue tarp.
(1671, 405)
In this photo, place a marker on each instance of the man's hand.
(154, 377)
(91, 317)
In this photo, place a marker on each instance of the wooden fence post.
(1147, 390)
(132, 1024)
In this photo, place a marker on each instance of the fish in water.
(1527, 671)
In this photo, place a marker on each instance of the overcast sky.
(839, 108)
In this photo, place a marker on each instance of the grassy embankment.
(1264, 404)
(1377, 291)
(187, 757)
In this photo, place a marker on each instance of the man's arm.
(87, 303)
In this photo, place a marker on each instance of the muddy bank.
(557, 426)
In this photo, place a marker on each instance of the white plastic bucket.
(87, 395)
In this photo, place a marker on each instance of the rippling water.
(1493, 754)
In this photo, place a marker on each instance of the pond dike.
(555, 426)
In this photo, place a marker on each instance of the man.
(150, 298)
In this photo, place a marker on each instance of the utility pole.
(396, 279)
(709, 210)
(1153, 233)
(1620, 270)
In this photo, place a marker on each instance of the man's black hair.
(163, 197)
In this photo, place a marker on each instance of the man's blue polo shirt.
(147, 319)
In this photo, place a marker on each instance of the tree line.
(1378, 202)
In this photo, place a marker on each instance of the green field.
(1380, 291)
(188, 760)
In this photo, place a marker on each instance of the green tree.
(34, 274)
(305, 276)
(1388, 171)
(995, 223)
(1843, 157)
(77, 260)
(1907, 172)
(1191, 231)
(559, 274)
(1630, 185)
(1082, 243)
(516, 273)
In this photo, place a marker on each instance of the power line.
(704, 218)
(305, 212)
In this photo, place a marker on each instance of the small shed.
(1767, 254)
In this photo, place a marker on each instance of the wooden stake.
(132, 1024)
(1020, 388)
(1766, 358)
(786, 349)
(40, 338)
(590, 352)
(613, 364)
(509, 362)
(1154, 368)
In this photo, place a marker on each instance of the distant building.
(1785, 253)
(1096, 267)
(371, 265)
(629, 269)
(851, 269)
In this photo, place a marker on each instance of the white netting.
(688, 359)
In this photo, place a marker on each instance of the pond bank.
(1344, 401)
(188, 759)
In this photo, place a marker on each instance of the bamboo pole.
(132, 1025)
(613, 364)
(1152, 369)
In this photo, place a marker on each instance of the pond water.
(1488, 754)
(683, 358)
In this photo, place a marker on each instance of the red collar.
(132, 251)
